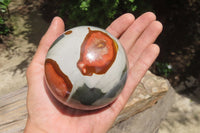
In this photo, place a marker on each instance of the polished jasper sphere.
(86, 68)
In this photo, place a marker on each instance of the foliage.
(93, 12)
(4, 15)
(164, 69)
(4, 5)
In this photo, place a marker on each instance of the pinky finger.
(141, 66)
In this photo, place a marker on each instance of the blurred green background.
(179, 41)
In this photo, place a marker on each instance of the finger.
(141, 66)
(117, 27)
(55, 29)
(136, 29)
(135, 75)
(147, 37)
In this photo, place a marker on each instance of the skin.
(46, 114)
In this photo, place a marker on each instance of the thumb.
(55, 29)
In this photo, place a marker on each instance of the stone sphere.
(86, 68)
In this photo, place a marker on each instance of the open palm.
(46, 114)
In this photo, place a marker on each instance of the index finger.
(119, 26)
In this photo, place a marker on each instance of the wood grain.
(13, 112)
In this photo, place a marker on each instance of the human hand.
(46, 114)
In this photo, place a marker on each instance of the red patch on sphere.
(98, 52)
(57, 80)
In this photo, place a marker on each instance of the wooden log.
(147, 121)
(13, 112)
(148, 92)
